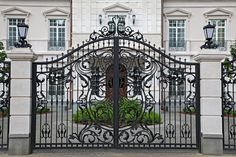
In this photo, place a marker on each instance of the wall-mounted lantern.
(133, 19)
(100, 19)
(209, 31)
(22, 33)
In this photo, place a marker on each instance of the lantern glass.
(22, 30)
(209, 31)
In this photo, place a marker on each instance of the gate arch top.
(79, 79)
(104, 39)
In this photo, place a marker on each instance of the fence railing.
(228, 104)
(4, 103)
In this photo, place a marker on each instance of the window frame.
(220, 13)
(57, 85)
(176, 90)
(222, 48)
(9, 46)
(168, 34)
(126, 15)
(56, 48)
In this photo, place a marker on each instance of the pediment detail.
(178, 13)
(56, 12)
(117, 8)
(15, 11)
(218, 12)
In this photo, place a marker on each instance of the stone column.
(20, 102)
(210, 101)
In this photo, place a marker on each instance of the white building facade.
(58, 26)
(174, 25)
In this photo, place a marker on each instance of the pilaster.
(21, 96)
(210, 101)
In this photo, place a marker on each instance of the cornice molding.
(15, 11)
(117, 8)
(218, 12)
(178, 13)
(56, 12)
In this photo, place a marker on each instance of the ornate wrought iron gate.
(228, 107)
(116, 90)
(4, 103)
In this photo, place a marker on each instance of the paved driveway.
(115, 153)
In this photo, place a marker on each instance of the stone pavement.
(116, 153)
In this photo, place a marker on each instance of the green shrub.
(43, 110)
(3, 112)
(130, 111)
(152, 118)
(81, 116)
(228, 64)
(103, 111)
(189, 110)
(229, 112)
(3, 54)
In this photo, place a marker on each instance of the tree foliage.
(3, 54)
(233, 50)
(228, 63)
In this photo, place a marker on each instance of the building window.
(219, 35)
(176, 88)
(13, 31)
(56, 82)
(57, 31)
(123, 17)
(177, 35)
(177, 83)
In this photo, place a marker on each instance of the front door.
(122, 81)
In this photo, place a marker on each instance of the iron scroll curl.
(116, 27)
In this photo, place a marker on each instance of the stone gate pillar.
(210, 101)
(20, 102)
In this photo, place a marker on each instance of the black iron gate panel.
(69, 94)
(163, 94)
(228, 104)
(116, 90)
(4, 103)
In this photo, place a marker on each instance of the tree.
(3, 54)
(229, 63)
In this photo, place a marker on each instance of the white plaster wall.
(86, 17)
(38, 23)
(197, 8)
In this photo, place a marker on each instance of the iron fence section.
(116, 91)
(228, 105)
(4, 103)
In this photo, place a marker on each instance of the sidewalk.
(115, 153)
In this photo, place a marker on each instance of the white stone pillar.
(20, 102)
(210, 101)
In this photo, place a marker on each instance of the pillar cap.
(22, 54)
(210, 55)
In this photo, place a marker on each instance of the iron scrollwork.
(116, 27)
(4, 102)
(145, 79)
(228, 102)
(46, 131)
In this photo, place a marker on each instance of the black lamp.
(22, 33)
(209, 31)
(134, 19)
(100, 19)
